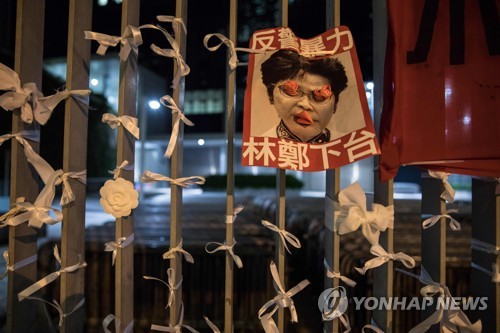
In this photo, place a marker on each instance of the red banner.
(305, 102)
(442, 87)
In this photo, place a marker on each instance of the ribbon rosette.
(118, 197)
(128, 122)
(151, 177)
(353, 214)
(282, 300)
(225, 247)
(285, 236)
(172, 285)
(25, 97)
(177, 116)
(170, 254)
(448, 193)
(120, 244)
(177, 328)
(130, 41)
(454, 224)
(382, 257)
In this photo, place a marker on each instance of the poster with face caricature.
(305, 104)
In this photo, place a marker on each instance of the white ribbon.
(20, 264)
(231, 218)
(175, 53)
(336, 275)
(214, 328)
(117, 172)
(36, 215)
(233, 57)
(170, 254)
(43, 114)
(171, 285)
(282, 300)
(448, 193)
(454, 224)
(52, 276)
(177, 116)
(58, 177)
(130, 41)
(177, 328)
(453, 320)
(55, 304)
(119, 244)
(225, 247)
(25, 97)
(382, 257)
(151, 177)
(494, 273)
(109, 318)
(353, 214)
(478, 245)
(286, 237)
(372, 326)
(128, 122)
(177, 23)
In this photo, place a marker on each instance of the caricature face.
(305, 104)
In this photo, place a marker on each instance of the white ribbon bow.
(119, 244)
(128, 122)
(454, 224)
(25, 97)
(117, 172)
(170, 254)
(17, 265)
(177, 116)
(286, 237)
(336, 275)
(233, 57)
(448, 193)
(175, 53)
(171, 285)
(231, 218)
(353, 214)
(52, 276)
(109, 318)
(130, 41)
(58, 177)
(382, 257)
(49, 103)
(225, 247)
(151, 177)
(55, 304)
(282, 300)
(177, 328)
(36, 215)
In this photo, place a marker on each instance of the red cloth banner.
(442, 87)
(305, 103)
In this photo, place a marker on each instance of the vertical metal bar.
(127, 106)
(434, 239)
(231, 97)
(23, 239)
(332, 188)
(383, 276)
(75, 159)
(280, 204)
(486, 228)
(176, 170)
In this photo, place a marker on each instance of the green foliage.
(219, 182)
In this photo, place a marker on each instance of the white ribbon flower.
(354, 214)
(118, 197)
(130, 41)
(109, 318)
(25, 97)
(336, 275)
(20, 264)
(448, 193)
(454, 224)
(171, 285)
(225, 247)
(233, 57)
(152, 177)
(282, 300)
(177, 328)
(177, 116)
(382, 257)
(285, 236)
(170, 254)
(128, 122)
(50, 102)
(119, 244)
